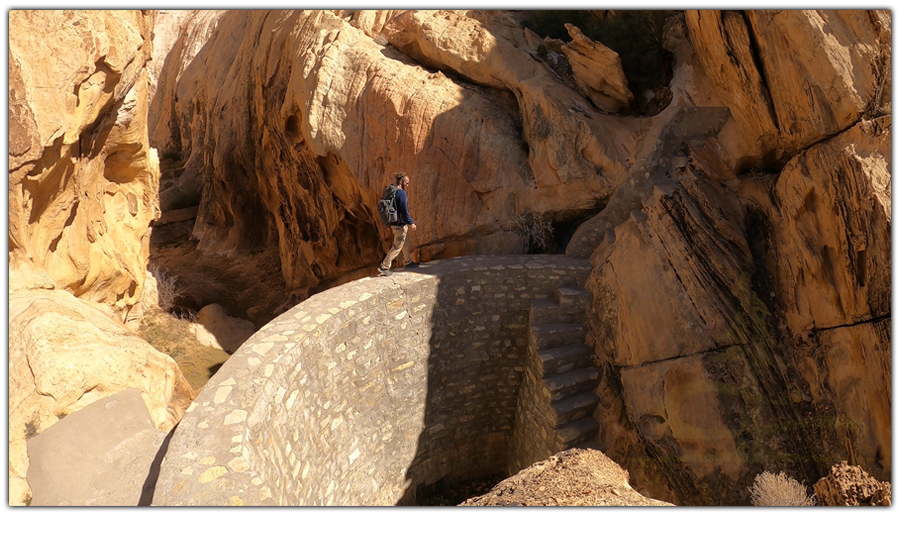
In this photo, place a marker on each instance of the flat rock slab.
(99, 455)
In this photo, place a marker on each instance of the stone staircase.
(557, 399)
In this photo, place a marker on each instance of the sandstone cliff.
(793, 77)
(740, 237)
(487, 132)
(756, 334)
(82, 177)
(82, 192)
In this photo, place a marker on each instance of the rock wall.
(365, 393)
(755, 336)
(82, 177)
(82, 192)
(793, 77)
(740, 253)
(332, 104)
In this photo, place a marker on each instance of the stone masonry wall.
(368, 392)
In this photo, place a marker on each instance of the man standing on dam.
(401, 228)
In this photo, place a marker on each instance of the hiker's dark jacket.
(403, 217)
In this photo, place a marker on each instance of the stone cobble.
(367, 391)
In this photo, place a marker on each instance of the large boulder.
(82, 177)
(215, 327)
(851, 486)
(576, 477)
(598, 72)
(64, 354)
(103, 455)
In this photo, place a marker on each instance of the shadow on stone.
(478, 353)
(150, 483)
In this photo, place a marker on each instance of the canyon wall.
(743, 320)
(82, 192)
(330, 107)
(739, 237)
(82, 176)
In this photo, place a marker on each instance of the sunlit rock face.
(743, 320)
(65, 354)
(793, 77)
(740, 240)
(739, 245)
(82, 177)
(82, 192)
(292, 123)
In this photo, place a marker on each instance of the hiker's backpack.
(387, 206)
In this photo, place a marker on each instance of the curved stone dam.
(371, 391)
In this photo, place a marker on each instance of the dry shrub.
(769, 490)
(535, 230)
(166, 287)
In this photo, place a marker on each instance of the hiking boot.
(383, 271)
(411, 265)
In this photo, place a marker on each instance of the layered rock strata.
(793, 77)
(82, 192)
(744, 310)
(741, 260)
(755, 335)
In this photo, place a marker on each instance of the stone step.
(574, 407)
(550, 311)
(548, 335)
(558, 360)
(576, 298)
(573, 382)
(578, 431)
(582, 273)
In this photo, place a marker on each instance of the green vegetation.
(636, 35)
(535, 230)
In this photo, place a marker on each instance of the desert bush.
(535, 230)
(769, 490)
(166, 287)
